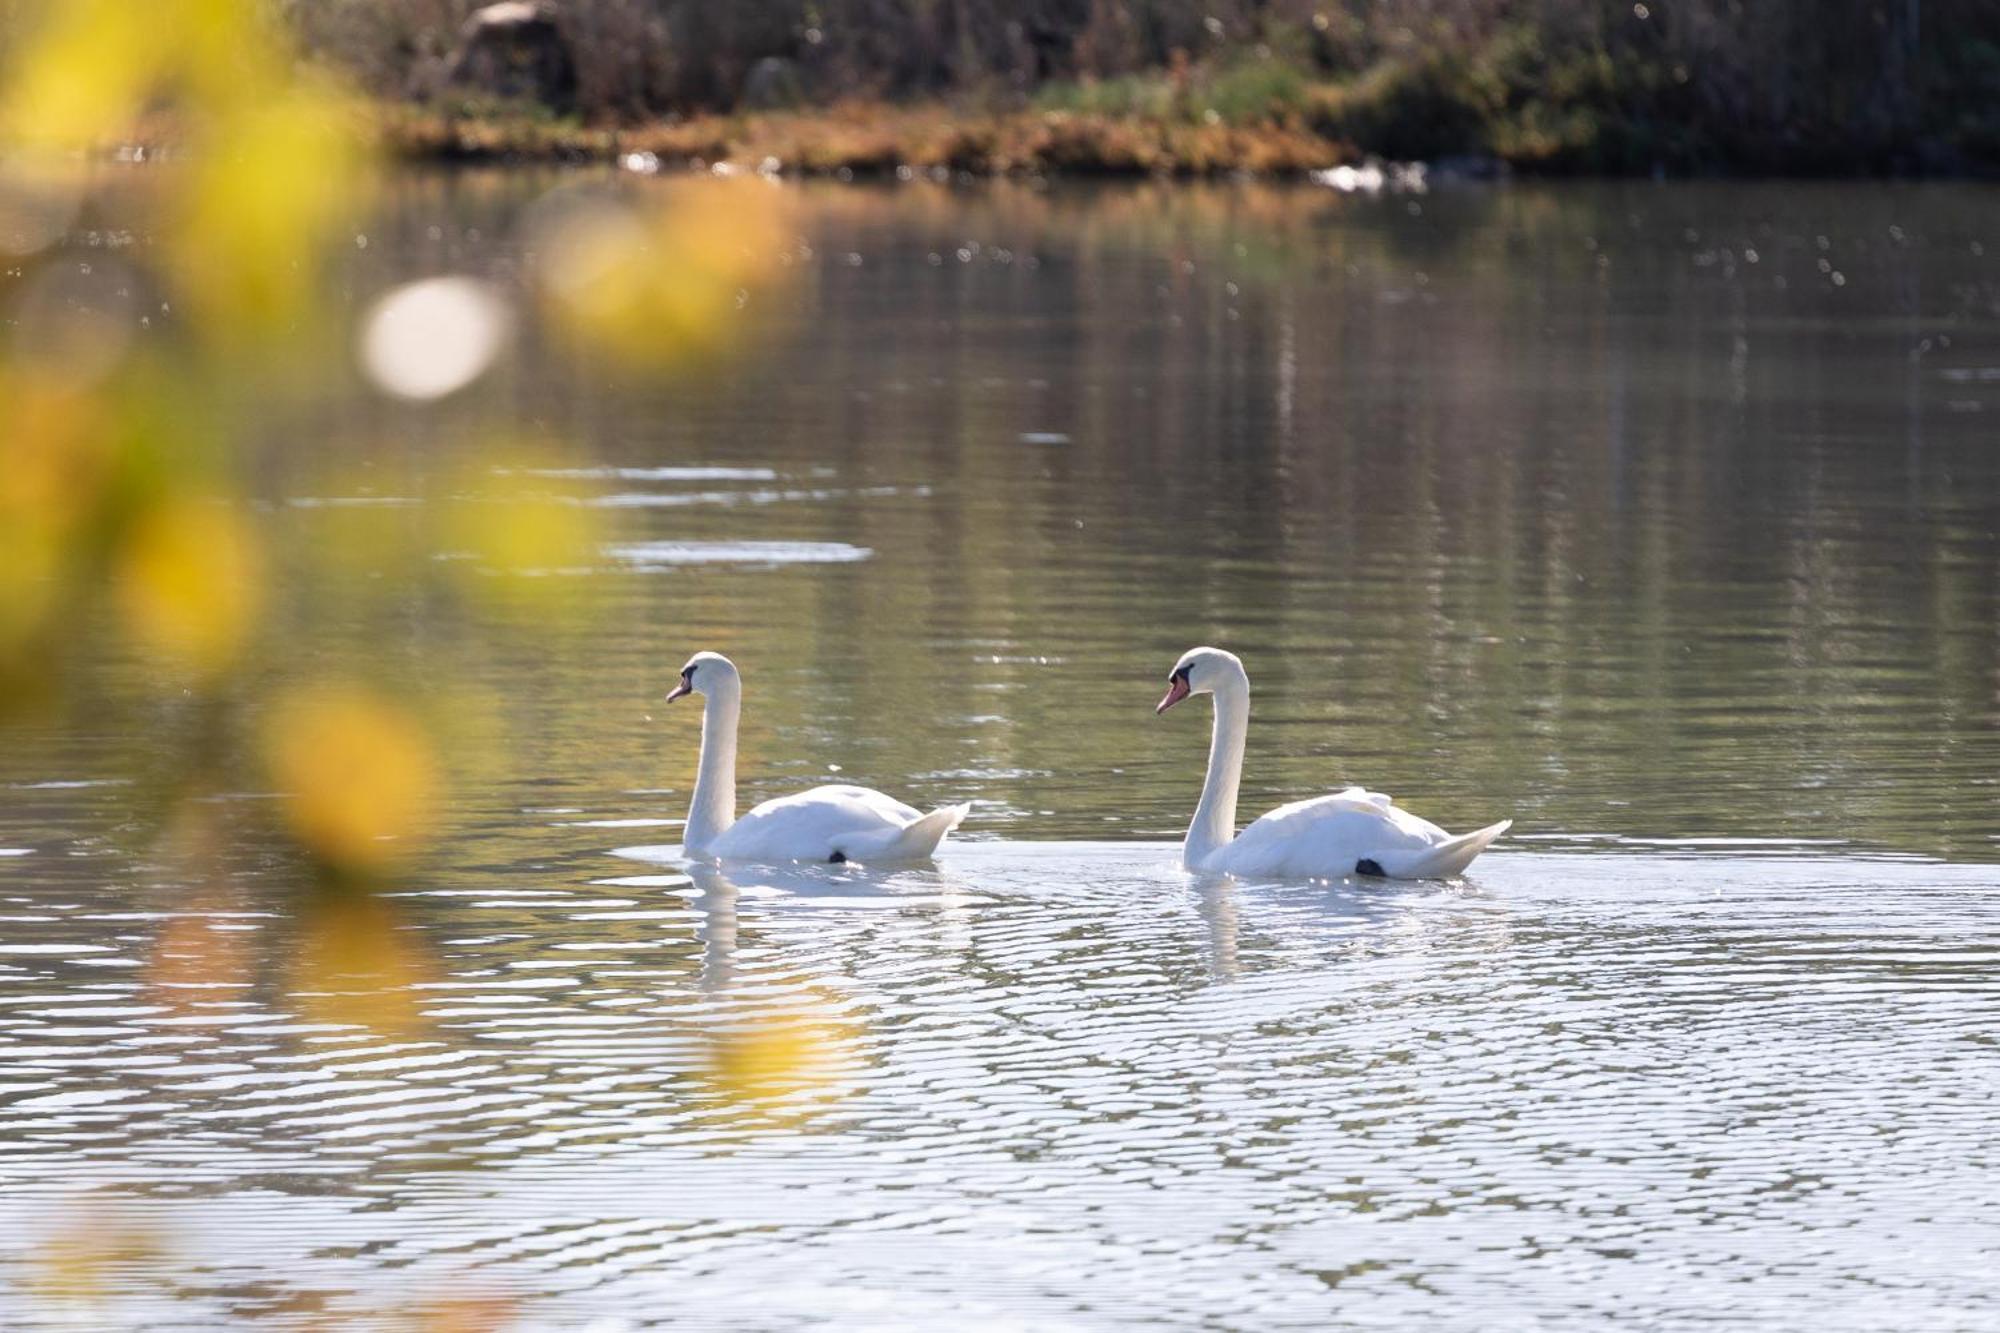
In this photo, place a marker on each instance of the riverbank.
(1096, 136)
(874, 139)
(1621, 92)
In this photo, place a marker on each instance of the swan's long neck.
(1214, 824)
(714, 806)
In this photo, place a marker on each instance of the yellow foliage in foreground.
(778, 1063)
(357, 964)
(661, 286)
(359, 780)
(190, 581)
(257, 207)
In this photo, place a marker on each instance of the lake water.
(1664, 519)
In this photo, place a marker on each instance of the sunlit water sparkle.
(1085, 1087)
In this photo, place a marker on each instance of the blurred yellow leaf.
(775, 1055)
(514, 513)
(190, 581)
(357, 964)
(274, 156)
(660, 285)
(52, 461)
(359, 778)
(80, 1261)
(81, 75)
(53, 453)
(89, 68)
(272, 182)
(231, 52)
(30, 562)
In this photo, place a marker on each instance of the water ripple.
(1677, 1089)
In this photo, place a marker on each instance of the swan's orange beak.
(1177, 690)
(683, 688)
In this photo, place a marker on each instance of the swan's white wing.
(1330, 836)
(813, 825)
(915, 841)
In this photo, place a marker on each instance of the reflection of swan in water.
(1216, 901)
(717, 930)
(836, 885)
(1249, 918)
(810, 887)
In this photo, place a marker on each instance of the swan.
(1351, 832)
(824, 824)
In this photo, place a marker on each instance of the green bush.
(1255, 91)
(1148, 96)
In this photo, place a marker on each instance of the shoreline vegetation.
(878, 140)
(1272, 88)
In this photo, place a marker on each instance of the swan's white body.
(832, 823)
(1348, 832)
(823, 824)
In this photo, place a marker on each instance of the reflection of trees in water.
(1544, 495)
(1528, 500)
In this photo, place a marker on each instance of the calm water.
(1608, 508)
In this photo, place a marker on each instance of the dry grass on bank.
(877, 139)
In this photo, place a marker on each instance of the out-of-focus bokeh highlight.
(658, 287)
(189, 581)
(354, 965)
(359, 780)
(433, 337)
(780, 1062)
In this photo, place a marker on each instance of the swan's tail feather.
(1450, 857)
(915, 841)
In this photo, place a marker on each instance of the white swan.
(1352, 832)
(824, 824)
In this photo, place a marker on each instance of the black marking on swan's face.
(1369, 866)
(837, 859)
(1179, 687)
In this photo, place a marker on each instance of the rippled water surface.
(1607, 508)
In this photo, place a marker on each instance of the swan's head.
(1202, 671)
(705, 674)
